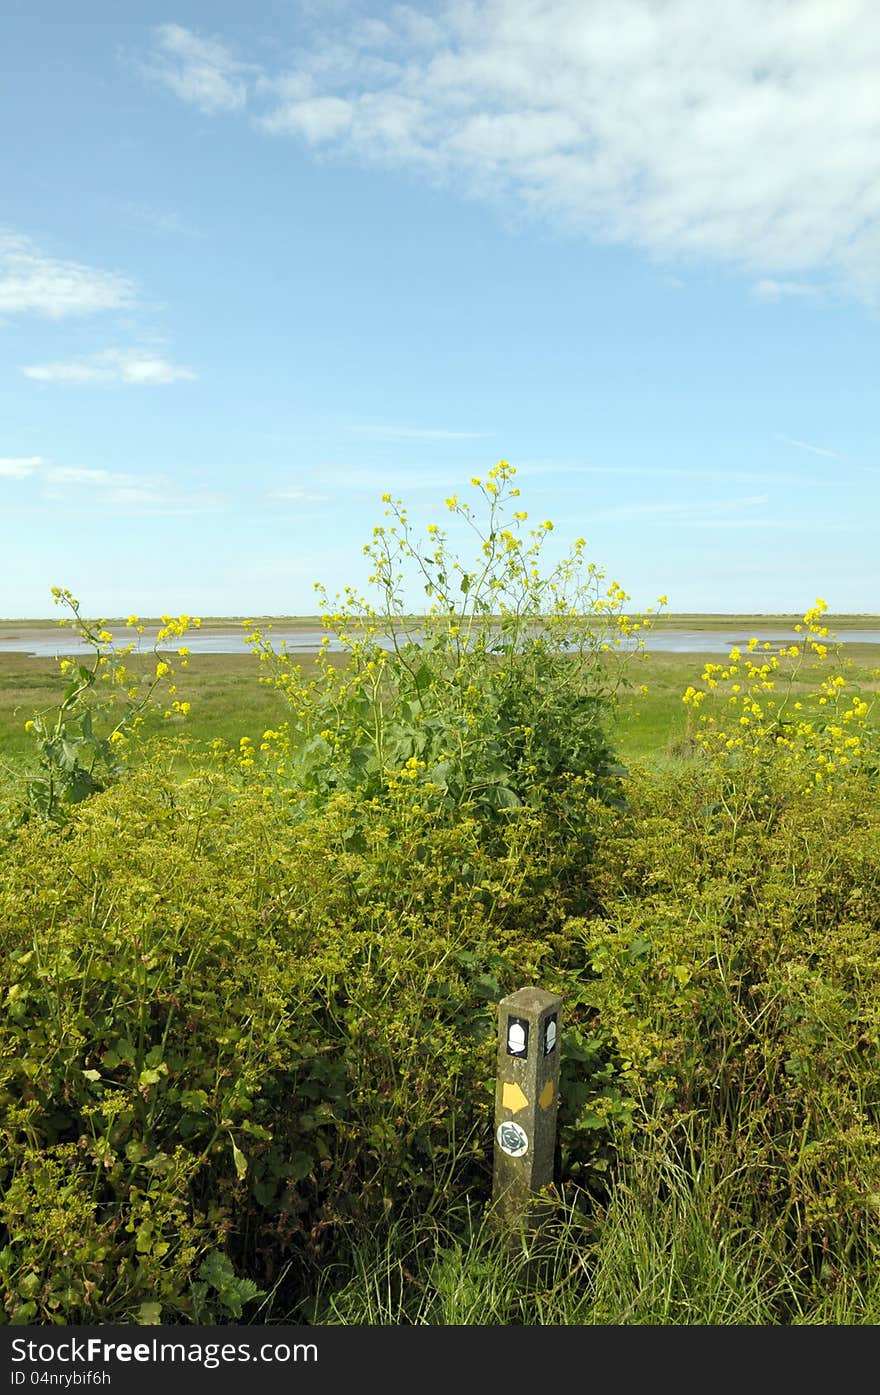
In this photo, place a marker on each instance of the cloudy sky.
(261, 264)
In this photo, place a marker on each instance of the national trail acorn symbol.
(517, 1036)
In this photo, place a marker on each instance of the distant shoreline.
(691, 633)
(691, 620)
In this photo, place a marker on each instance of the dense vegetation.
(248, 1050)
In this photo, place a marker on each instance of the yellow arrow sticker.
(512, 1097)
(545, 1099)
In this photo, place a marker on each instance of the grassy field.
(687, 620)
(655, 726)
(228, 700)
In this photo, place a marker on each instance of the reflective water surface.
(232, 641)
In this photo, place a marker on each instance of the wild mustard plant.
(498, 694)
(83, 740)
(766, 708)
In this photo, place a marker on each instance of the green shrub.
(241, 1035)
(250, 1007)
(735, 973)
(498, 697)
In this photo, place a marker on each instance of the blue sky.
(261, 264)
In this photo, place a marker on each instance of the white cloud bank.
(741, 133)
(115, 490)
(19, 467)
(31, 282)
(200, 71)
(111, 366)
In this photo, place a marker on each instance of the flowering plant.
(791, 709)
(499, 696)
(83, 739)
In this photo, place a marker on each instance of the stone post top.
(528, 1001)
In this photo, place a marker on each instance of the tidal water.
(232, 641)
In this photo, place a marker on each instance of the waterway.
(48, 644)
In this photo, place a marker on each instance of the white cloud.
(845, 462)
(570, 473)
(199, 71)
(316, 118)
(125, 492)
(739, 133)
(113, 488)
(145, 215)
(749, 512)
(778, 290)
(414, 433)
(694, 512)
(814, 450)
(111, 366)
(342, 480)
(18, 467)
(297, 496)
(76, 474)
(116, 490)
(44, 285)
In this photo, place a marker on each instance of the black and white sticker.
(512, 1139)
(517, 1036)
(551, 1031)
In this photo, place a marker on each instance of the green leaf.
(501, 797)
(24, 1313)
(241, 1162)
(423, 678)
(143, 1240)
(487, 986)
(266, 1191)
(640, 946)
(216, 1269)
(193, 1099)
(299, 1166)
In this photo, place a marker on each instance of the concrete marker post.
(526, 1102)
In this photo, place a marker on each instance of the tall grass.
(674, 1246)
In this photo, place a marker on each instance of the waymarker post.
(526, 1102)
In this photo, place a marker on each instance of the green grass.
(672, 1247)
(687, 620)
(228, 701)
(657, 726)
